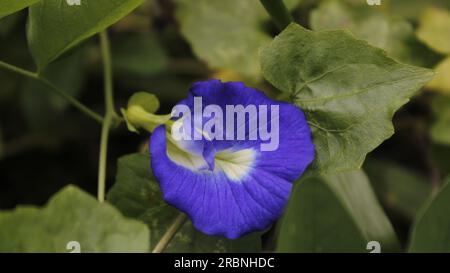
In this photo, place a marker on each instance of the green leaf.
(348, 90)
(54, 26)
(435, 28)
(137, 195)
(226, 34)
(440, 129)
(431, 232)
(334, 214)
(71, 215)
(398, 188)
(138, 54)
(11, 6)
(391, 33)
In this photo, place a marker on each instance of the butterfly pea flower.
(231, 178)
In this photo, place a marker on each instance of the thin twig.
(278, 12)
(35, 76)
(170, 233)
(72, 101)
(110, 114)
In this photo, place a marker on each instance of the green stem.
(170, 233)
(279, 13)
(19, 70)
(110, 113)
(32, 75)
(77, 104)
(107, 72)
(103, 157)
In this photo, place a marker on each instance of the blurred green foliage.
(337, 213)
(162, 46)
(430, 231)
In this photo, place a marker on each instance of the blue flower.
(231, 186)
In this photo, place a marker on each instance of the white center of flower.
(235, 164)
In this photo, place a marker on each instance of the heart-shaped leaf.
(71, 217)
(348, 90)
(10, 6)
(55, 26)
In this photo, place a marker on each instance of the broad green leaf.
(348, 90)
(55, 26)
(137, 195)
(71, 215)
(138, 54)
(431, 232)
(226, 34)
(398, 188)
(391, 33)
(440, 129)
(337, 213)
(434, 29)
(11, 6)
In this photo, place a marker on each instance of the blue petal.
(231, 206)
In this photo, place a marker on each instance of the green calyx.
(140, 113)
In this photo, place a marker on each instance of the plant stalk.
(110, 113)
(170, 233)
(34, 76)
(278, 12)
